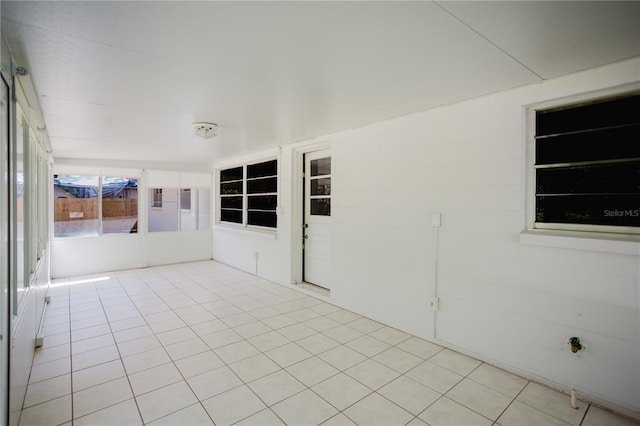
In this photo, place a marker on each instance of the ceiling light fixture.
(204, 130)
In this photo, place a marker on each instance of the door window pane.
(321, 186)
(321, 206)
(321, 166)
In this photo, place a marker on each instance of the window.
(249, 194)
(91, 205)
(320, 187)
(179, 209)
(587, 166)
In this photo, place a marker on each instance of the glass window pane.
(231, 174)
(604, 179)
(321, 206)
(263, 202)
(260, 218)
(606, 113)
(231, 188)
(261, 186)
(75, 205)
(164, 218)
(606, 144)
(269, 168)
(119, 205)
(321, 186)
(231, 202)
(321, 166)
(234, 216)
(616, 210)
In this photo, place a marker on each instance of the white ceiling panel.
(124, 80)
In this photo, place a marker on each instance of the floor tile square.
(97, 374)
(198, 364)
(341, 391)
(455, 362)
(372, 374)
(297, 332)
(101, 396)
(364, 325)
(499, 380)
(322, 323)
(136, 346)
(390, 335)
(368, 346)
(186, 348)
(154, 378)
(437, 378)
(121, 414)
(232, 406)
(376, 410)
(317, 343)
(144, 360)
(252, 329)
(89, 332)
(339, 420)
(479, 398)
(288, 354)
(236, 351)
(267, 341)
(50, 369)
(132, 333)
(420, 348)
(304, 408)
(125, 324)
(342, 357)
(408, 394)
(55, 411)
(221, 338)
(47, 390)
(551, 402)
(160, 402)
(519, 414)
(342, 316)
(176, 336)
(276, 386)
(254, 367)
(213, 382)
(397, 359)
(343, 334)
(445, 412)
(598, 417)
(193, 415)
(208, 327)
(265, 417)
(42, 356)
(312, 370)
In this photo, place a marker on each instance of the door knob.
(306, 237)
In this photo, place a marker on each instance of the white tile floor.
(202, 343)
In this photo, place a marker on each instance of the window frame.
(246, 195)
(567, 229)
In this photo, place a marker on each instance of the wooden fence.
(70, 209)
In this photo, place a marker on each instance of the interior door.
(317, 218)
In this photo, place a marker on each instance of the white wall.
(509, 298)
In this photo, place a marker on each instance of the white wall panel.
(78, 256)
(174, 247)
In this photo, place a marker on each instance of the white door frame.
(297, 205)
(5, 240)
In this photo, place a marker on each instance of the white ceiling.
(123, 81)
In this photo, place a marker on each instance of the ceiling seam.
(437, 3)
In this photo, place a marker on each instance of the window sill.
(576, 240)
(269, 235)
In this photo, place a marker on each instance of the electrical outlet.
(433, 303)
